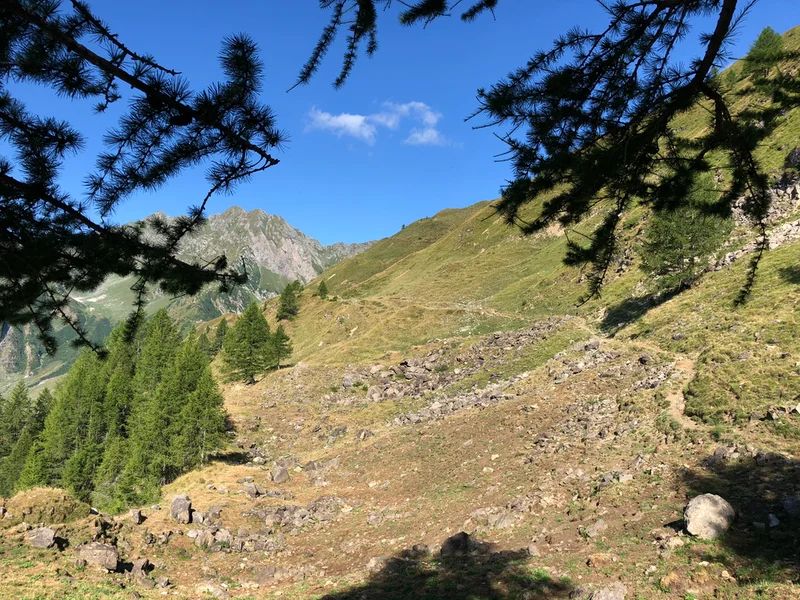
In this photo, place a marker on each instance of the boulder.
(280, 475)
(136, 517)
(41, 537)
(596, 529)
(204, 539)
(181, 509)
(100, 555)
(376, 563)
(457, 545)
(708, 516)
(792, 160)
(215, 589)
(140, 567)
(251, 490)
(615, 591)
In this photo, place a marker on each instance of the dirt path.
(677, 401)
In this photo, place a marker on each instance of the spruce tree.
(206, 345)
(152, 462)
(282, 345)
(75, 420)
(13, 417)
(322, 291)
(200, 428)
(219, 335)
(35, 472)
(118, 406)
(678, 243)
(287, 307)
(765, 53)
(159, 346)
(11, 467)
(52, 243)
(248, 348)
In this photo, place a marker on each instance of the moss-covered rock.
(44, 505)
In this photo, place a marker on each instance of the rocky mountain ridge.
(272, 251)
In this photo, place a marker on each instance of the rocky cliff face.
(272, 252)
(271, 242)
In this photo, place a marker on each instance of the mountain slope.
(272, 252)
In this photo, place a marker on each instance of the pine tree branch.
(151, 92)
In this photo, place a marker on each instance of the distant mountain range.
(273, 252)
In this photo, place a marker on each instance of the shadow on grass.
(416, 575)
(232, 458)
(631, 309)
(763, 545)
(791, 274)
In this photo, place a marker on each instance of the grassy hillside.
(452, 382)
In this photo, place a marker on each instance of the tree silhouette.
(51, 245)
(765, 52)
(590, 121)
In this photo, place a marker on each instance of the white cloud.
(429, 136)
(365, 127)
(355, 126)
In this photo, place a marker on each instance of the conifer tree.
(11, 467)
(200, 429)
(678, 243)
(287, 307)
(152, 461)
(765, 53)
(35, 472)
(118, 406)
(282, 345)
(322, 291)
(53, 243)
(590, 120)
(76, 420)
(159, 346)
(248, 348)
(219, 335)
(206, 345)
(13, 417)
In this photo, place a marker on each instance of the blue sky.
(391, 146)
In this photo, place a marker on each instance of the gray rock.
(104, 556)
(205, 539)
(457, 545)
(708, 516)
(251, 490)
(791, 504)
(263, 575)
(181, 509)
(146, 583)
(140, 567)
(162, 582)
(41, 537)
(223, 536)
(136, 517)
(615, 591)
(596, 529)
(365, 434)
(792, 160)
(376, 563)
(280, 475)
(215, 589)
